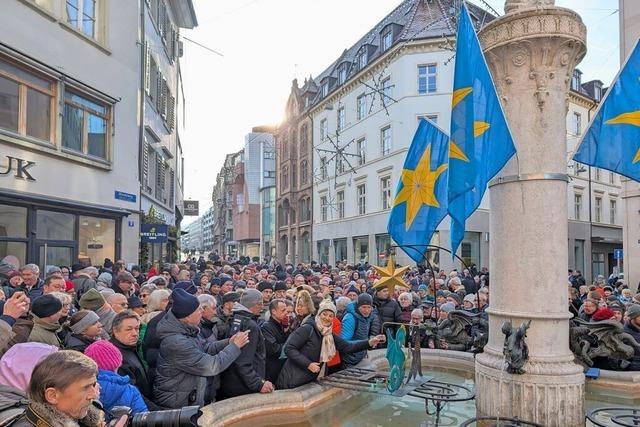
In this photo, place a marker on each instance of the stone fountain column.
(532, 51)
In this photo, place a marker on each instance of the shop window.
(16, 249)
(55, 255)
(323, 251)
(470, 248)
(97, 239)
(13, 221)
(361, 249)
(383, 248)
(340, 246)
(55, 225)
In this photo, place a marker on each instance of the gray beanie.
(105, 278)
(251, 297)
(633, 311)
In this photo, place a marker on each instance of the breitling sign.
(18, 168)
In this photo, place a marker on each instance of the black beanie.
(364, 299)
(264, 285)
(280, 286)
(45, 306)
(184, 304)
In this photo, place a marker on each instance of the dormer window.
(342, 74)
(576, 80)
(325, 89)
(362, 59)
(387, 39)
(597, 92)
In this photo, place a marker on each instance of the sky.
(266, 43)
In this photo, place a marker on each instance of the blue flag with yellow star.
(481, 143)
(421, 197)
(612, 141)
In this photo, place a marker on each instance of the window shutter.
(147, 75)
(158, 90)
(172, 177)
(171, 112)
(145, 166)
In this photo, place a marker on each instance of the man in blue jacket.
(356, 325)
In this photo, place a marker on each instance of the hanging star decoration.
(418, 187)
(390, 276)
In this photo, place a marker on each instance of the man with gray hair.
(31, 283)
(210, 320)
(62, 391)
(247, 373)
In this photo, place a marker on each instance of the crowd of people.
(206, 330)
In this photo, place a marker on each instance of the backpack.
(12, 405)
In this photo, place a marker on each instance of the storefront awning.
(14, 196)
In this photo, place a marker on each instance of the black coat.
(77, 342)
(303, 348)
(387, 310)
(133, 367)
(274, 339)
(470, 286)
(151, 343)
(209, 327)
(247, 374)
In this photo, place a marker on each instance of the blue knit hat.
(184, 304)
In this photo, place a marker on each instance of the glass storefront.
(48, 236)
(383, 248)
(340, 248)
(323, 251)
(361, 249)
(470, 248)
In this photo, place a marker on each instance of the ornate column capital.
(516, 5)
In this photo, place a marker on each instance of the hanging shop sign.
(191, 207)
(154, 233)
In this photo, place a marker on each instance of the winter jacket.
(184, 362)
(224, 323)
(470, 285)
(45, 332)
(133, 367)
(21, 330)
(209, 328)
(43, 415)
(387, 310)
(355, 327)
(274, 339)
(34, 292)
(303, 348)
(151, 344)
(116, 390)
(6, 334)
(13, 403)
(635, 332)
(247, 374)
(77, 342)
(405, 314)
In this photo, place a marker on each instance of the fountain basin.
(318, 405)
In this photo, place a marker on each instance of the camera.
(185, 417)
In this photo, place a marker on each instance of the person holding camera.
(185, 359)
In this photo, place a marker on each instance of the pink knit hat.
(106, 355)
(17, 364)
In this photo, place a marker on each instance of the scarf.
(328, 349)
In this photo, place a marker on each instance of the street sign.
(154, 233)
(127, 197)
(191, 207)
(617, 254)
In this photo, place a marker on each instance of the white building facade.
(69, 186)
(415, 77)
(162, 163)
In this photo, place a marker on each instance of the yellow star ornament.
(418, 187)
(390, 276)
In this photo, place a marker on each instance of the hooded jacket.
(247, 374)
(184, 362)
(116, 390)
(303, 347)
(635, 332)
(355, 327)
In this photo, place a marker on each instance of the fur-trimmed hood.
(43, 415)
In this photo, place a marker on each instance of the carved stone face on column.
(516, 5)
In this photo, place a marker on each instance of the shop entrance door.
(55, 254)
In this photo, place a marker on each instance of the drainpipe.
(141, 101)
